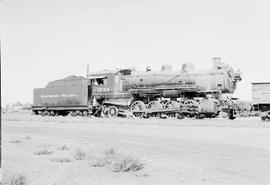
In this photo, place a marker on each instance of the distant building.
(261, 96)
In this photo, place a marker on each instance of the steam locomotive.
(123, 92)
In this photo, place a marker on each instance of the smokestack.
(87, 72)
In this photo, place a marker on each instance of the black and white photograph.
(135, 92)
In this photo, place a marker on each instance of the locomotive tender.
(186, 92)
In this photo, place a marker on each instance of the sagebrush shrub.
(43, 152)
(15, 179)
(79, 155)
(127, 164)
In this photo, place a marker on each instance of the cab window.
(99, 81)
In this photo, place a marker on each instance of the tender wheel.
(52, 113)
(112, 111)
(85, 113)
(45, 113)
(78, 113)
(42, 113)
(72, 113)
(138, 108)
(34, 112)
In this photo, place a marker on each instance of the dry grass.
(97, 161)
(15, 141)
(27, 137)
(79, 155)
(61, 159)
(12, 119)
(66, 181)
(142, 175)
(43, 152)
(111, 155)
(64, 147)
(104, 158)
(14, 179)
(116, 161)
(127, 164)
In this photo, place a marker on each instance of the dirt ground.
(188, 151)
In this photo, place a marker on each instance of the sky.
(47, 40)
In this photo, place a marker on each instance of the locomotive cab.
(106, 82)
